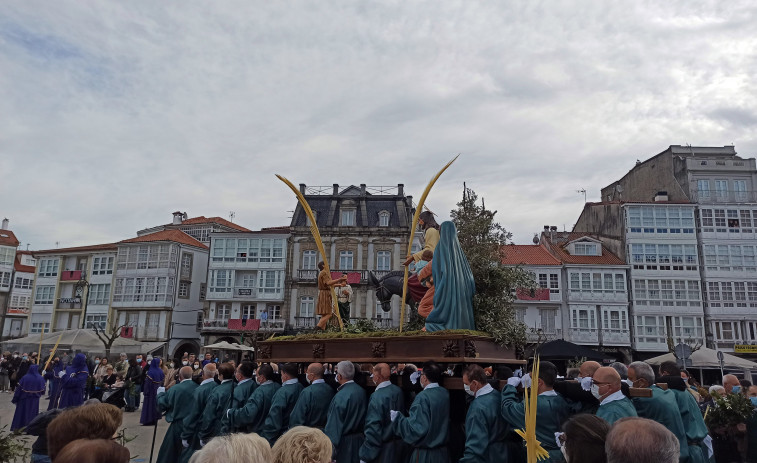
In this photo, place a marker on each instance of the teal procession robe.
(693, 426)
(312, 406)
(484, 430)
(282, 403)
(453, 285)
(218, 402)
(663, 408)
(242, 393)
(617, 409)
(551, 411)
(192, 420)
(175, 404)
(426, 428)
(251, 416)
(344, 425)
(381, 445)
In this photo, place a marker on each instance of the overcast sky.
(115, 114)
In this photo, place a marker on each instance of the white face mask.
(307, 378)
(197, 367)
(185, 363)
(468, 391)
(595, 391)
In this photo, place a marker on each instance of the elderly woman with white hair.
(302, 445)
(233, 448)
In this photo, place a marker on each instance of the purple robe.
(74, 382)
(29, 390)
(153, 380)
(52, 375)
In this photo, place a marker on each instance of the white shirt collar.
(318, 381)
(266, 382)
(225, 381)
(383, 384)
(290, 381)
(617, 395)
(484, 390)
(207, 381)
(243, 381)
(431, 385)
(550, 393)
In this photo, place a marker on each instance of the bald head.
(316, 370)
(608, 381)
(587, 369)
(185, 373)
(729, 381)
(381, 373)
(632, 440)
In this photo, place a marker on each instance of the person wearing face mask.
(251, 416)
(312, 406)
(122, 366)
(691, 417)
(380, 443)
(173, 403)
(731, 384)
(613, 405)
(751, 427)
(484, 430)
(196, 371)
(245, 386)
(190, 439)
(426, 428)
(551, 408)
(661, 407)
(217, 404)
(579, 393)
(282, 404)
(344, 425)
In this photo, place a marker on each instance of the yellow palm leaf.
(318, 242)
(417, 214)
(534, 449)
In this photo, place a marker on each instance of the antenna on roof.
(232, 214)
(582, 190)
(27, 246)
(57, 243)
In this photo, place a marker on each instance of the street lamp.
(80, 285)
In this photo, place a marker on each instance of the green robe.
(693, 426)
(282, 403)
(218, 402)
(242, 393)
(551, 412)
(426, 428)
(174, 404)
(251, 417)
(617, 409)
(192, 419)
(344, 425)
(663, 408)
(485, 430)
(380, 444)
(312, 406)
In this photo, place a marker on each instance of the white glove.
(557, 439)
(414, 377)
(227, 412)
(513, 381)
(525, 381)
(202, 443)
(61, 374)
(161, 390)
(518, 372)
(393, 414)
(586, 383)
(185, 444)
(629, 382)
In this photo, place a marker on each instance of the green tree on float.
(483, 240)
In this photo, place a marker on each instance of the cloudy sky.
(115, 114)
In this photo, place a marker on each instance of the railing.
(311, 276)
(541, 336)
(614, 296)
(310, 322)
(720, 196)
(328, 190)
(584, 335)
(223, 325)
(305, 322)
(616, 336)
(243, 292)
(71, 275)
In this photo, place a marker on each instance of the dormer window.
(348, 218)
(586, 249)
(384, 218)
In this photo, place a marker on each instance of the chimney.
(5, 224)
(546, 228)
(661, 196)
(177, 217)
(552, 231)
(336, 190)
(400, 189)
(302, 188)
(362, 189)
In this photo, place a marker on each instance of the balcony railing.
(728, 196)
(310, 322)
(610, 296)
(584, 335)
(229, 325)
(539, 335)
(616, 336)
(244, 292)
(353, 276)
(72, 275)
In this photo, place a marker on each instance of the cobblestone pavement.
(139, 447)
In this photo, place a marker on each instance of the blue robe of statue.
(29, 390)
(74, 382)
(153, 380)
(453, 285)
(52, 375)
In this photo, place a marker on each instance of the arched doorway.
(187, 346)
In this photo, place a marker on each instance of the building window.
(345, 260)
(186, 265)
(151, 289)
(575, 282)
(384, 260)
(144, 257)
(650, 329)
(220, 281)
(614, 320)
(307, 306)
(48, 267)
(308, 260)
(184, 289)
(721, 189)
(248, 311)
(20, 302)
(39, 328)
(270, 282)
(7, 255)
(583, 319)
(102, 266)
(739, 190)
(248, 280)
(586, 249)
(520, 314)
(203, 291)
(95, 320)
(348, 218)
(547, 317)
(725, 331)
(44, 295)
(99, 294)
(703, 188)
(223, 311)
(384, 218)
(542, 280)
(274, 312)
(23, 283)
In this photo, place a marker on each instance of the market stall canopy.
(80, 339)
(223, 345)
(561, 349)
(706, 358)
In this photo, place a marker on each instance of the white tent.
(223, 345)
(707, 358)
(81, 339)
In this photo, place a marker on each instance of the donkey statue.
(390, 285)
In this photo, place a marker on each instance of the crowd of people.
(220, 411)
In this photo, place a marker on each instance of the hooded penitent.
(30, 388)
(74, 382)
(153, 380)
